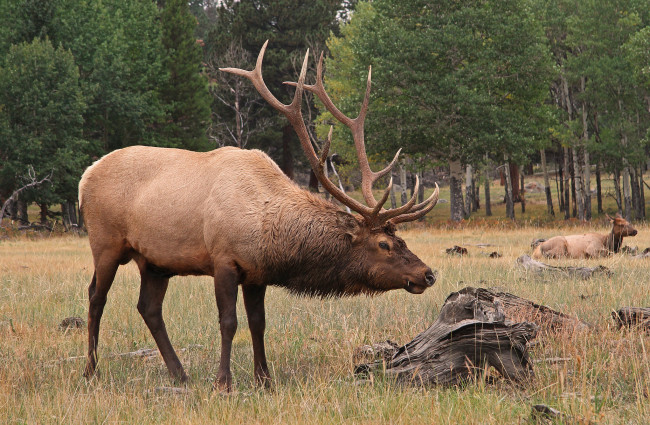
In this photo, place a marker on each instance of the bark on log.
(519, 309)
(469, 336)
(582, 272)
(633, 317)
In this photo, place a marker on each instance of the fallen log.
(632, 317)
(469, 336)
(583, 272)
(519, 309)
(456, 250)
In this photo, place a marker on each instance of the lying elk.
(248, 225)
(588, 245)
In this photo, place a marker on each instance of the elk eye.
(384, 245)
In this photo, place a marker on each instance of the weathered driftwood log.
(633, 317)
(519, 309)
(469, 336)
(583, 272)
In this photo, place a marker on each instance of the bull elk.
(248, 225)
(588, 245)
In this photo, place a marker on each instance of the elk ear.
(390, 228)
(348, 224)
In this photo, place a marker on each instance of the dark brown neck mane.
(614, 242)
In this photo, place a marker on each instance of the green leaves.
(42, 118)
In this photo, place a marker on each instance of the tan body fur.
(588, 245)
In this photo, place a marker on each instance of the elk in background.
(250, 226)
(588, 245)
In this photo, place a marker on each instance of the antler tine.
(294, 114)
(383, 199)
(433, 199)
(387, 215)
(356, 127)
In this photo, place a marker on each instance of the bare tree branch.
(31, 182)
(236, 95)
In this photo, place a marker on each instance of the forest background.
(469, 90)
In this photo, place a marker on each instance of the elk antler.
(374, 214)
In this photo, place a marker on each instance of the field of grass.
(310, 343)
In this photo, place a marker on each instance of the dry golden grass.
(310, 343)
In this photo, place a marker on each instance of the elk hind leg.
(225, 289)
(105, 269)
(152, 293)
(254, 303)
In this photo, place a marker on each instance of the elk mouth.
(420, 286)
(414, 288)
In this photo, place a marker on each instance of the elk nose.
(429, 278)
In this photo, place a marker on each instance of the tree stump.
(583, 272)
(633, 317)
(470, 335)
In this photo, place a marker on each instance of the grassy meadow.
(310, 343)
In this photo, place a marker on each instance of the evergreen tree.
(185, 93)
(450, 80)
(41, 120)
(291, 26)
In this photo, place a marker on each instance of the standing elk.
(589, 245)
(248, 225)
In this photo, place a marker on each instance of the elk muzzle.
(418, 286)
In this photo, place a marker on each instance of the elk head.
(389, 264)
(621, 227)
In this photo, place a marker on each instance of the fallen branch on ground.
(583, 272)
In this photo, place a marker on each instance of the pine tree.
(185, 93)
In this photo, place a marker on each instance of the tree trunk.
(522, 193)
(313, 182)
(617, 190)
(477, 193)
(567, 185)
(488, 206)
(514, 181)
(547, 183)
(599, 190)
(23, 217)
(627, 195)
(456, 190)
(559, 175)
(287, 155)
(573, 190)
(634, 186)
(421, 188)
(558, 184)
(469, 191)
(393, 200)
(69, 215)
(402, 182)
(579, 185)
(586, 185)
(641, 194)
(43, 213)
(510, 207)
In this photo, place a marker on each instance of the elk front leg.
(225, 289)
(105, 269)
(152, 293)
(254, 303)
